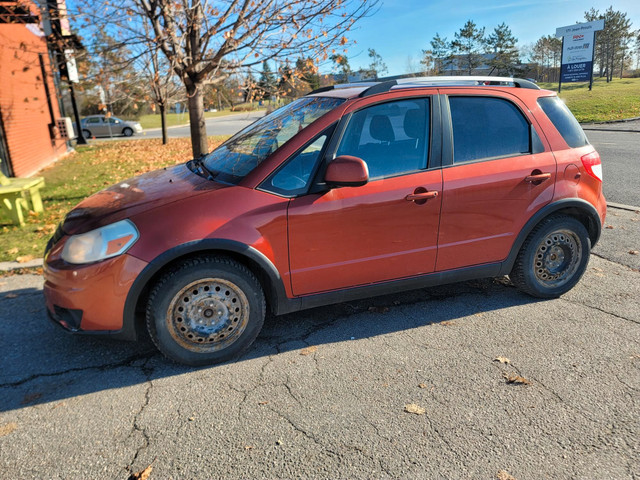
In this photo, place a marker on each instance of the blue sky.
(402, 28)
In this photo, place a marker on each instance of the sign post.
(576, 61)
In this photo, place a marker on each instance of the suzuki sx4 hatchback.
(349, 192)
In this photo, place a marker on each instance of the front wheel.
(127, 132)
(207, 310)
(553, 258)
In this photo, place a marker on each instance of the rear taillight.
(592, 165)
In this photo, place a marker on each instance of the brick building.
(28, 106)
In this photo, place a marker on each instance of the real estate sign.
(577, 50)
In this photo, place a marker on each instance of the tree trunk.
(163, 120)
(199, 145)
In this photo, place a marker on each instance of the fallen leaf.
(502, 360)
(308, 350)
(278, 442)
(378, 309)
(515, 379)
(448, 323)
(502, 475)
(7, 429)
(263, 403)
(248, 447)
(633, 252)
(11, 295)
(25, 258)
(423, 385)
(143, 475)
(191, 419)
(13, 251)
(609, 227)
(415, 409)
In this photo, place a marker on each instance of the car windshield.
(243, 152)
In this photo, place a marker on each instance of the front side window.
(392, 138)
(94, 120)
(243, 152)
(294, 177)
(487, 127)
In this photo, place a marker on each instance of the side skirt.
(356, 293)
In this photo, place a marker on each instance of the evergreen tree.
(438, 57)
(502, 44)
(613, 42)
(468, 45)
(267, 82)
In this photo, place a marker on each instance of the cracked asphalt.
(322, 394)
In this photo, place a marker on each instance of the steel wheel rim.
(208, 315)
(557, 258)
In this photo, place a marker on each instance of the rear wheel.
(553, 258)
(86, 134)
(208, 310)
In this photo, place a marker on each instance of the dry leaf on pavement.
(516, 379)
(502, 360)
(423, 385)
(143, 475)
(11, 295)
(7, 429)
(502, 475)
(416, 409)
(308, 350)
(633, 252)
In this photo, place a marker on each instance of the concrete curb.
(8, 266)
(622, 206)
(624, 120)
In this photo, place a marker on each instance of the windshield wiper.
(201, 169)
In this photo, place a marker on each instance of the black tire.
(553, 258)
(205, 311)
(86, 134)
(127, 132)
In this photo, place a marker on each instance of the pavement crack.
(136, 427)
(128, 362)
(602, 310)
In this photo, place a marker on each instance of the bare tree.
(205, 41)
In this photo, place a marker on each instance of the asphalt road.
(620, 154)
(323, 393)
(226, 125)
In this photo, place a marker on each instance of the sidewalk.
(629, 125)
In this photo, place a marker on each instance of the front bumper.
(89, 298)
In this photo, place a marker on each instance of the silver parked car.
(101, 126)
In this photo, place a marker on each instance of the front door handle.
(420, 196)
(412, 197)
(537, 178)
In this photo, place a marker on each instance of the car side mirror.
(347, 171)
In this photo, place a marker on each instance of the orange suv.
(349, 192)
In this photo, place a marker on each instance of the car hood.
(135, 195)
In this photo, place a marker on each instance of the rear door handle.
(412, 197)
(537, 178)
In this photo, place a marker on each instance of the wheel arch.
(254, 260)
(576, 208)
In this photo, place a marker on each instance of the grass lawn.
(88, 170)
(607, 101)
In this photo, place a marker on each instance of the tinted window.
(564, 121)
(391, 137)
(293, 178)
(485, 127)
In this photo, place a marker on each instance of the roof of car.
(365, 89)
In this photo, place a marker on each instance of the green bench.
(15, 194)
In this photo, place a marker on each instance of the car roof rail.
(449, 81)
(341, 86)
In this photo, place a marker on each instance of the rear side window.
(564, 121)
(487, 127)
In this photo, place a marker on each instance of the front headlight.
(101, 243)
